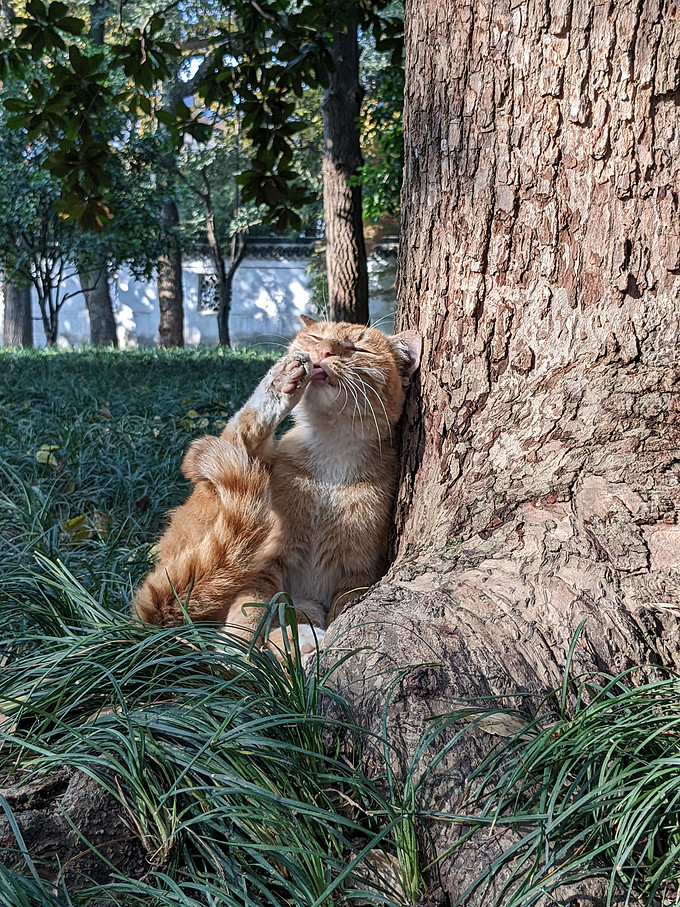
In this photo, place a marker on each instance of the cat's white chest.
(332, 515)
(314, 558)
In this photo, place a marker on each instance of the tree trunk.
(345, 248)
(225, 279)
(95, 286)
(541, 262)
(18, 324)
(237, 254)
(170, 294)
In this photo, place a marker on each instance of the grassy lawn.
(234, 781)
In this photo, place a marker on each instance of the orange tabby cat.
(308, 515)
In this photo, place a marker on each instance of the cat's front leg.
(272, 400)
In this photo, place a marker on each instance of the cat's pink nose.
(323, 352)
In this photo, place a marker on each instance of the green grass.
(244, 780)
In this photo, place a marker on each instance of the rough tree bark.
(94, 283)
(541, 262)
(170, 293)
(345, 248)
(17, 328)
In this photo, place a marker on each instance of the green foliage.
(318, 280)
(591, 787)
(383, 143)
(40, 239)
(258, 58)
(382, 68)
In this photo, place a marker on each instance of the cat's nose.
(323, 352)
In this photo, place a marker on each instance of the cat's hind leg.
(253, 426)
(246, 619)
(309, 638)
(217, 543)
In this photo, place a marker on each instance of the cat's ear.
(307, 321)
(408, 346)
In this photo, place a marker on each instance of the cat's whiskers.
(369, 387)
(380, 321)
(357, 409)
(342, 388)
(367, 404)
(373, 413)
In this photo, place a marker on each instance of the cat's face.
(358, 372)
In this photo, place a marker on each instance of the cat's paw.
(309, 642)
(280, 390)
(291, 374)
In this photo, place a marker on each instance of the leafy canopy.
(258, 58)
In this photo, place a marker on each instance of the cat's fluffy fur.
(308, 515)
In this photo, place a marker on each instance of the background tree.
(169, 282)
(94, 273)
(17, 325)
(38, 246)
(218, 220)
(343, 214)
(540, 261)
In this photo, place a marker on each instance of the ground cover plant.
(228, 779)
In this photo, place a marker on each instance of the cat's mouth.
(320, 375)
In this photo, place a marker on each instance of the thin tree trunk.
(95, 286)
(345, 248)
(541, 262)
(18, 324)
(170, 293)
(46, 287)
(225, 279)
(94, 275)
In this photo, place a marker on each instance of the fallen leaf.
(45, 455)
(102, 522)
(143, 503)
(502, 724)
(77, 528)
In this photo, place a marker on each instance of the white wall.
(268, 297)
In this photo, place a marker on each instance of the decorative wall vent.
(208, 293)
